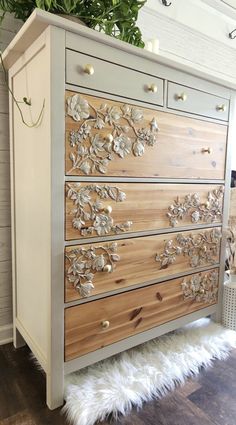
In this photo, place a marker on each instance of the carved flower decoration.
(201, 249)
(122, 146)
(102, 224)
(201, 288)
(83, 263)
(208, 211)
(77, 107)
(92, 151)
(88, 207)
(138, 148)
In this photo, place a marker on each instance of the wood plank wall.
(8, 29)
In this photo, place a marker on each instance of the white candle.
(148, 45)
(155, 45)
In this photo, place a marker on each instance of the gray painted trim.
(130, 235)
(55, 374)
(132, 341)
(141, 180)
(140, 285)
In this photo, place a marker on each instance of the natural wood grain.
(146, 205)
(4, 132)
(127, 313)
(177, 153)
(5, 293)
(137, 263)
(5, 244)
(5, 170)
(5, 214)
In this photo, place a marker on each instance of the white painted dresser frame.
(48, 36)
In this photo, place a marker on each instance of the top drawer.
(197, 102)
(87, 71)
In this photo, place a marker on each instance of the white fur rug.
(150, 370)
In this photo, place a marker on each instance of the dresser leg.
(18, 340)
(55, 391)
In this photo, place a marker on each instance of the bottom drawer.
(96, 324)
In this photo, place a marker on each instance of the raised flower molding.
(201, 249)
(191, 206)
(89, 214)
(201, 287)
(93, 152)
(85, 262)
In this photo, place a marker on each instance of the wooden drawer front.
(98, 209)
(108, 138)
(113, 79)
(94, 325)
(106, 266)
(197, 102)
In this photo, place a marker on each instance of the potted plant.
(116, 18)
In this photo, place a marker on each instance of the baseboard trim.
(6, 334)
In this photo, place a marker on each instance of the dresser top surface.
(40, 20)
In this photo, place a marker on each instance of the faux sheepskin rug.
(115, 385)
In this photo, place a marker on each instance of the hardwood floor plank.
(208, 399)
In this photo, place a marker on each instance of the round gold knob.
(182, 97)
(108, 209)
(109, 138)
(89, 69)
(105, 324)
(207, 150)
(152, 88)
(107, 268)
(221, 108)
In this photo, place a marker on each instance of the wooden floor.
(209, 399)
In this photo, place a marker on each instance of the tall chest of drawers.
(119, 195)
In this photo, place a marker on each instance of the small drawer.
(197, 102)
(91, 326)
(109, 138)
(98, 209)
(107, 266)
(96, 74)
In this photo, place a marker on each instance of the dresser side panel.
(32, 193)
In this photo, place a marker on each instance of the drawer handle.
(109, 138)
(207, 150)
(108, 209)
(182, 97)
(105, 324)
(107, 268)
(152, 88)
(89, 69)
(221, 108)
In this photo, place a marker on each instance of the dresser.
(119, 195)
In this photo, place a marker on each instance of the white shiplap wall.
(7, 32)
(194, 32)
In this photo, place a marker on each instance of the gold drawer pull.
(108, 209)
(89, 69)
(109, 138)
(107, 268)
(207, 150)
(182, 97)
(221, 108)
(105, 324)
(152, 88)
